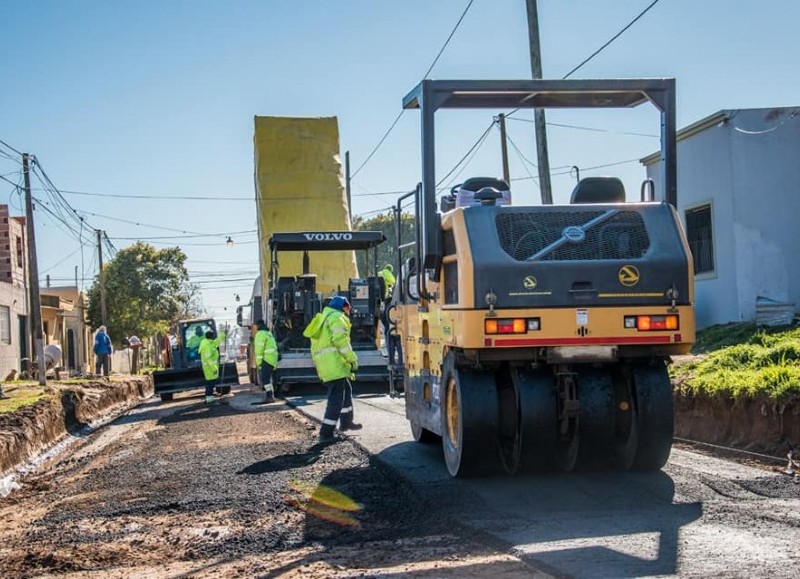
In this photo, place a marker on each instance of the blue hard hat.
(339, 303)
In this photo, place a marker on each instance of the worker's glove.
(353, 366)
(352, 377)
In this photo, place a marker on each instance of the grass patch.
(741, 360)
(19, 397)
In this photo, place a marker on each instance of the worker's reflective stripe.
(326, 350)
(270, 350)
(329, 422)
(345, 349)
(347, 410)
(338, 330)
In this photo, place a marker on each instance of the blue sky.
(157, 98)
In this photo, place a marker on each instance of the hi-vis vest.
(265, 348)
(209, 356)
(333, 356)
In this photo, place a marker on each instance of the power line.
(159, 197)
(523, 158)
(594, 129)
(471, 149)
(2, 142)
(430, 68)
(188, 236)
(613, 38)
(586, 168)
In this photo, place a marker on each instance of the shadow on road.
(283, 462)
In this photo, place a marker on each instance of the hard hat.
(339, 303)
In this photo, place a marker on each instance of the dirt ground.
(187, 490)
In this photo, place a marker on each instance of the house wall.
(75, 320)
(746, 167)
(705, 176)
(765, 146)
(13, 291)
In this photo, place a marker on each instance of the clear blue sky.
(157, 98)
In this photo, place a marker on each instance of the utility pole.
(347, 185)
(538, 114)
(33, 275)
(102, 276)
(501, 120)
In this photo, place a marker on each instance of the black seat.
(599, 190)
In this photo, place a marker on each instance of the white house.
(739, 199)
(14, 332)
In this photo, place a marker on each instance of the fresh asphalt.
(668, 523)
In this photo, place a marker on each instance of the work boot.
(351, 426)
(209, 399)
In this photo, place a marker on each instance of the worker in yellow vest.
(336, 363)
(265, 350)
(209, 358)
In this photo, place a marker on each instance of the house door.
(23, 343)
(71, 354)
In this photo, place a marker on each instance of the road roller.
(537, 338)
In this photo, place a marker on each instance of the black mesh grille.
(451, 283)
(573, 235)
(448, 242)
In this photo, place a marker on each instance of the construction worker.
(209, 358)
(265, 350)
(336, 363)
(387, 273)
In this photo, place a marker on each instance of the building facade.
(14, 320)
(739, 200)
(64, 322)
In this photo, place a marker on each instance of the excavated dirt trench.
(67, 407)
(755, 424)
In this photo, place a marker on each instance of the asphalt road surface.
(238, 489)
(699, 517)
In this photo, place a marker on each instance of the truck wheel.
(166, 397)
(469, 415)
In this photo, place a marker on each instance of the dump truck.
(294, 300)
(184, 370)
(537, 337)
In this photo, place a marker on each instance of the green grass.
(20, 397)
(741, 360)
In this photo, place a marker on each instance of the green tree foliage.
(147, 289)
(386, 251)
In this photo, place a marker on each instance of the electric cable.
(613, 38)
(430, 68)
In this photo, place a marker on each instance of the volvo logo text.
(328, 236)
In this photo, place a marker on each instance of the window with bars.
(699, 234)
(5, 325)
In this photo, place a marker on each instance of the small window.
(5, 325)
(19, 252)
(700, 236)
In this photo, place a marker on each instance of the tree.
(147, 290)
(386, 251)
